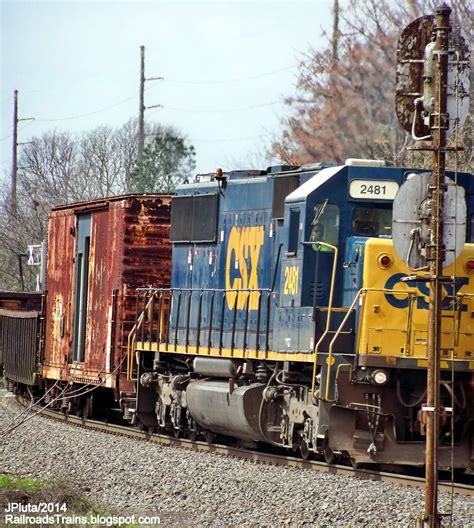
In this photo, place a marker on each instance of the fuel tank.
(215, 407)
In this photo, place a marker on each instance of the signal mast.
(432, 103)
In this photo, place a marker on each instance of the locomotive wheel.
(209, 436)
(193, 434)
(354, 464)
(304, 450)
(329, 456)
(178, 433)
(192, 428)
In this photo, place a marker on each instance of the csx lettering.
(423, 288)
(243, 249)
(291, 280)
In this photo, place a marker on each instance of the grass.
(32, 491)
(8, 482)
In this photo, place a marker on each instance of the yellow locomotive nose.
(394, 315)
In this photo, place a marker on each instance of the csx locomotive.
(284, 315)
(289, 321)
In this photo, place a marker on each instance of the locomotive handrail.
(362, 292)
(131, 340)
(411, 303)
(315, 365)
(457, 321)
(223, 290)
(329, 312)
(184, 303)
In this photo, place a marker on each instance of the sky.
(226, 68)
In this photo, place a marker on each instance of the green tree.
(166, 161)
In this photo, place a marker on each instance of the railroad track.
(257, 456)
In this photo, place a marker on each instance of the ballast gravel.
(187, 488)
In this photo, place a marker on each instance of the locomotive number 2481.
(373, 189)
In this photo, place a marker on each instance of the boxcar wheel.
(87, 407)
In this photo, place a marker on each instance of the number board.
(373, 189)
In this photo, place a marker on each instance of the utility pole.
(141, 104)
(16, 120)
(335, 32)
(15, 154)
(141, 107)
(435, 257)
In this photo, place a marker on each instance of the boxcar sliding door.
(81, 285)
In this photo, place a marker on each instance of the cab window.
(325, 224)
(294, 232)
(371, 221)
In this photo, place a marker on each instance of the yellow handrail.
(328, 316)
(360, 293)
(457, 321)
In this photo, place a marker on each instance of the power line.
(69, 118)
(227, 81)
(46, 120)
(222, 110)
(19, 130)
(230, 140)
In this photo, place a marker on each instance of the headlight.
(379, 377)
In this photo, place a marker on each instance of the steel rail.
(255, 456)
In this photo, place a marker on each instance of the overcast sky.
(226, 68)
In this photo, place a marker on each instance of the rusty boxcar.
(99, 252)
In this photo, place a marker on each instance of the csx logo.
(243, 252)
(422, 303)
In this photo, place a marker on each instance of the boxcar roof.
(98, 203)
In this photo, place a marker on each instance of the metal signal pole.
(436, 256)
(422, 102)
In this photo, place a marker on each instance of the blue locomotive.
(291, 320)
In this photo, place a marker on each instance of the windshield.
(325, 223)
(371, 221)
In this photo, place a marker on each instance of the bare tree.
(58, 168)
(100, 161)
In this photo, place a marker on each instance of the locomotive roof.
(312, 184)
